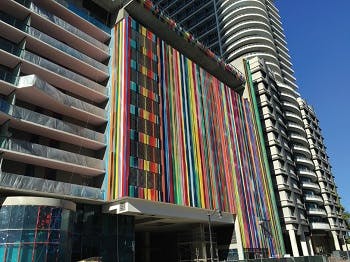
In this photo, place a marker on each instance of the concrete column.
(293, 243)
(336, 241)
(344, 247)
(311, 249)
(304, 245)
(147, 254)
(239, 240)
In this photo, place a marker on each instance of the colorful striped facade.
(179, 135)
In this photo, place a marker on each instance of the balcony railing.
(52, 92)
(49, 122)
(40, 185)
(68, 27)
(319, 226)
(31, 149)
(313, 198)
(65, 48)
(19, 24)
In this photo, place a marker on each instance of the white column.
(344, 246)
(304, 245)
(239, 240)
(293, 243)
(311, 249)
(336, 241)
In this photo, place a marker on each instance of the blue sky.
(318, 36)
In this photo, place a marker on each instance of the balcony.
(313, 198)
(319, 226)
(50, 47)
(35, 91)
(43, 187)
(294, 118)
(316, 212)
(288, 97)
(35, 154)
(35, 123)
(57, 28)
(301, 150)
(11, 55)
(299, 139)
(299, 160)
(305, 172)
(310, 185)
(295, 128)
(291, 107)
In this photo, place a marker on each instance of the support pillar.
(147, 247)
(293, 243)
(309, 243)
(336, 240)
(304, 245)
(239, 240)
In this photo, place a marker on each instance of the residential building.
(331, 200)
(123, 137)
(247, 29)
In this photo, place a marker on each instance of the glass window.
(41, 236)
(5, 213)
(2, 252)
(26, 253)
(40, 252)
(3, 237)
(30, 217)
(12, 253)
(28, 236)
(17, 215)
(14, 236)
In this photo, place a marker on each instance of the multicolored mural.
(179, 135)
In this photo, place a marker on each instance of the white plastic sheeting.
(14, 181)
(49, 122)
(52, 92)
(58, 21)
(35, 59)
(32, 149)
(65, 48)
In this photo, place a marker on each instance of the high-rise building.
(333, 218)
(247, 29)
(123, 137)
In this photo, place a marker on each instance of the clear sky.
(318, 36)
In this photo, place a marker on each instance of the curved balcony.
(311, 186)
(41, 155)
(234, 45)
(299, 139)
(313, 198)
(299, 149)
(316, 212)
(288, 97)
(43, 125)
(319, 226)
(305, 172)
(303, 161)
(249, 48)
(294, 118)
(258, 27)
(291, 107)
(296, 128)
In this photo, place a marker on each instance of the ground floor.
(47, 229)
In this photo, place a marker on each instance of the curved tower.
(252, 28)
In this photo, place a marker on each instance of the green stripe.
(262, 141)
